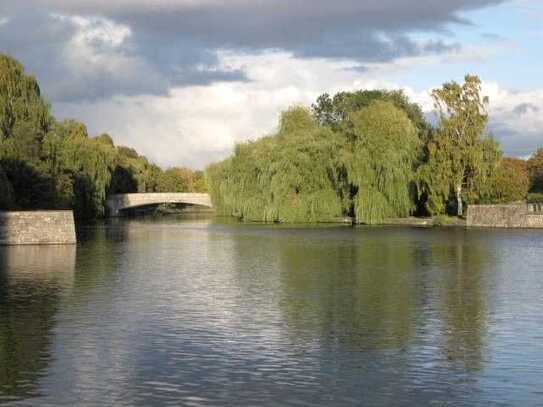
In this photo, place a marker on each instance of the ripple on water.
(203, 314)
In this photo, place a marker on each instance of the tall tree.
(334, 111)
(460, 157)
(381, 164)
(21, 102)
(283, 178)
(25, 121)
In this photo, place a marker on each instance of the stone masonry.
(37, 227)
(505, 216)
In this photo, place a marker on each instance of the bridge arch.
(116, 203)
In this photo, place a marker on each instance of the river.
(200, 312)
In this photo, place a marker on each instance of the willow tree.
(460, 157)
(303, 170)
(381, 163)
(91, 163)
(24, 122)
(239, 185)
(287, 177)
(22, 109)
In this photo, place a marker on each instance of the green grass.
(444, 220)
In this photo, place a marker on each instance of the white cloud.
(516, 118)
(97, 41)
(98, 53)
(99, 31)
(200, 124)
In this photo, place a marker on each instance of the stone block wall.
(37, 227)
(504, 216)
(534, 221)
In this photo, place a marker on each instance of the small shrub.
(535, 198)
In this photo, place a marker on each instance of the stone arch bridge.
(116, 203)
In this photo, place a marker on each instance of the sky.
(183, 81)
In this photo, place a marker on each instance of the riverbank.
(426, 222)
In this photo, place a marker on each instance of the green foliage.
(444, 220)
(382, 162)
(509, 183)
(92, 163)
(535, 169)
(300, 175)
(284, 178)
(47, 164)
(199, 183)
(24, 122)
(370, 155)
(334, 112)
(22, 109)
(460, 158)
(180, 179)
(535, 197)
(134, 173)
(31, 188)
(105, 139)
(308, 173)
(172, 180)
(366, 154)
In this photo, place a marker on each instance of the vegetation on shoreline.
(368, 155)
(372, 155)
(51, 164)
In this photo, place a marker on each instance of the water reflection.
(33, 281)
(349, 291)
(463, 304)
(195, 312)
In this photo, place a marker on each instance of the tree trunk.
(459, 200)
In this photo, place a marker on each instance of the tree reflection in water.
(33, 280)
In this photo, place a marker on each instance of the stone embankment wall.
(505, 216)
(37, 227)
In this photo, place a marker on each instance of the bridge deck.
(118, 202)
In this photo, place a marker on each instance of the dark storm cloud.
(143, 65)
(42, 43)
(286, 24)
(175, 42)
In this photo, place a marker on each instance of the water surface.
(198, 312)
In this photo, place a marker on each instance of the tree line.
(50, 164)
(372, 155)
